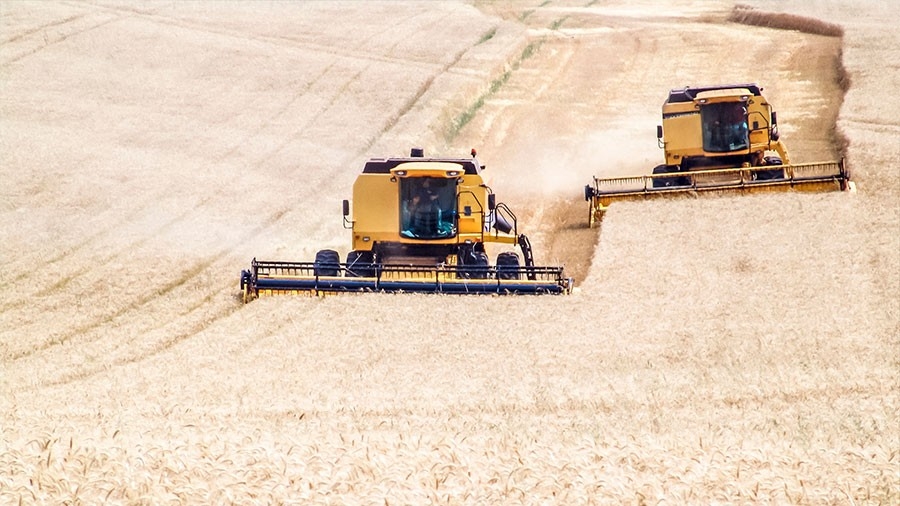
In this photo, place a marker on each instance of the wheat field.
(723, 350)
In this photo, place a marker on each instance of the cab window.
(724, 127)
(428, 207)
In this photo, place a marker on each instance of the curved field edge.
(749, 15)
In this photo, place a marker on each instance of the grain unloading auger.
(718, 139)
(418, 225)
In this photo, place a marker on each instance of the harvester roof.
(384, 165)
(689, 93)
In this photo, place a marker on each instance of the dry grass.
(718, 351)
(749, 15)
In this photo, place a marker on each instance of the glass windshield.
(427, 207)
(724, 127)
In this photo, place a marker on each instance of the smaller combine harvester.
(418, 225)
(717, 139)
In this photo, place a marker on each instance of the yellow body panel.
(681, 134)
(472, 194)
(376, 215)
(683, 130)
(376, 206)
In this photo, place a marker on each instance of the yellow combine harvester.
(418, 225)
(718, 138)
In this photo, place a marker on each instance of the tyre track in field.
(84, 243)
(73, 335)
(170, 286)
(61, 283)
(78, 271)
(281, 42)
(153, 16)
(200, 324)
(68, 337)
(41, 28)
(389, 120)
(227, 311)
(45, 42)
(372, 58)
(309, 120)
(321, 112)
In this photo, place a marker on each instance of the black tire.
(360, 264)
(480, 269)
(767, 175)
(669, 182)
(508, 265)
(660, 169)
(472, 264)
(328, 263)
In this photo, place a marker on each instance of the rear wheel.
(361, 264)
(328, 263)
(508, 265)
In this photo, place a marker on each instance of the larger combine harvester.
(715, 139)
(418, 225)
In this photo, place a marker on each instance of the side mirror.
(492, 201)
(774, 119)
(347, 223)
(659, 131)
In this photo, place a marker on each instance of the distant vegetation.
(487, 36)
(750, 16)
(463, 118)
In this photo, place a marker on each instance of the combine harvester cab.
(418, 225)
(718, 139)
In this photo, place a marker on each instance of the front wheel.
(508, 265)
(767, 175)
(328, 263)
(361, 264)
(472, 264)
(669, 182)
